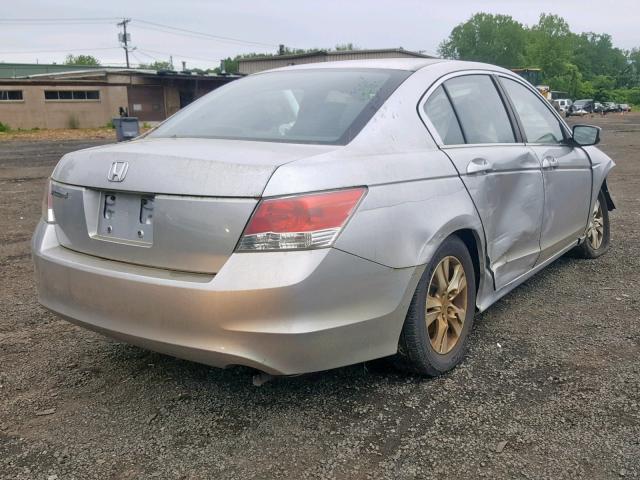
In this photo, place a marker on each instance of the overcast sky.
(411, 24)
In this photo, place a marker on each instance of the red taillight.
(304, 221)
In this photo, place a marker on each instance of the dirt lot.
(106, 134)
(552, 371)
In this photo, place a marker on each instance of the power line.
(137, 58)
(38, 21)
(177, 55)
(125, 36)
(201, 34)
(198, 37)
(152, 57)
(144, 24)
(60, 51)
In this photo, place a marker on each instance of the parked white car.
(563, 104)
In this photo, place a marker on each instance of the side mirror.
(585, 135)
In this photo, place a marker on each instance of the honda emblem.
(118, 171)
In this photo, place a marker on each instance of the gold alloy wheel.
(595, 230)
(446, 304)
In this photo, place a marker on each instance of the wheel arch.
(605, 189)
(471, 240)
(601, 165)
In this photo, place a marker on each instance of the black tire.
(586, 249)
(415, 351)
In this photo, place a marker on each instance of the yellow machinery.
(534, 77)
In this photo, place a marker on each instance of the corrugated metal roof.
(336, 52)
(14, 70)
(69, 72)
(90, 73)
(87, 73)
(410, 64)
(258, 64)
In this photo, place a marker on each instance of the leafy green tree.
(341, 47)
(230, 66)
(602, 85)
(587, 90)
(157, 65)
(550, 45)
(81, 60)
(633, 59)
(569, 81)
(585, 65)
(497, 39)
(595, 55)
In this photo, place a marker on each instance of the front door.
(509, 198)
(503, 176)
(566, 170)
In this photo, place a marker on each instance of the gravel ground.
(103, 134)
(550, 387)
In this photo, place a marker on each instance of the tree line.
(585, 65)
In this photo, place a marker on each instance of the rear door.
(566, 169)
(503, 176)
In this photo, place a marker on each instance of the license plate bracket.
(126, 218)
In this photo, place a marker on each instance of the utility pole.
(124, 38)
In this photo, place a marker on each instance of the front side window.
(439, 111)
(539, 124)
(327, 106)
(480, 109)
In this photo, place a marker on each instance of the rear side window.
(439, 111)
(480, 109)
(539, 124)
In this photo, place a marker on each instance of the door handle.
(549, 163)
(478, 165)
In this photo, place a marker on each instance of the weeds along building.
(60, 96)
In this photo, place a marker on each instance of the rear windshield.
(328, 106)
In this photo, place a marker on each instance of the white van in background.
(563, 104)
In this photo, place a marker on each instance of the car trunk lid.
(178, 204)
(183, 166)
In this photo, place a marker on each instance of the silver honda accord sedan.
(320, 215)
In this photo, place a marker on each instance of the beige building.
(91, 98)
(258, 64)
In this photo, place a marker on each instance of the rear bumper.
(283, 313)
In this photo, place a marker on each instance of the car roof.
(411, 64)
(407, 64)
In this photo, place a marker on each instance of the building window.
(10, 95)
(72, 95)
